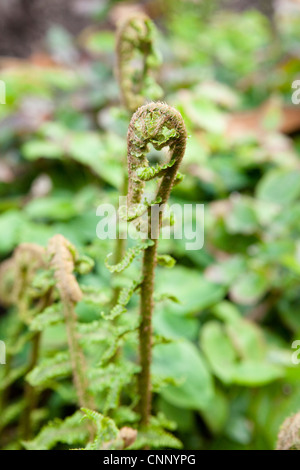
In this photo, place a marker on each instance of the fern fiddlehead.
(162, 126)
(135, 40)
(62, 260)
(135, 45)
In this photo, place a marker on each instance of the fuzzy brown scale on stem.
(162, 126)
(62, 259)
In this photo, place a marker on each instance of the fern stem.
(62, 255)
(135, 36)
(160, 125)
(145, 332)
(77, 358)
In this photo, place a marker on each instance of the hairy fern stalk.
(135, 39)
(62, 260)
(162, 126)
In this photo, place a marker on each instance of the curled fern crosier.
(162, 126)
(137, 64)
(135, 43)
(62, 256)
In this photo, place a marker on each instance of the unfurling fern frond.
(135, 41)
(62, 256)
(162, 126)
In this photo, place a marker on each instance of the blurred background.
(228, 67)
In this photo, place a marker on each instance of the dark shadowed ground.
(24, 23)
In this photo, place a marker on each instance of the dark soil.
(24, 23)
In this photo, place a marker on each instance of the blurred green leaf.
(189, 367)
(249, 288)
(279, 186)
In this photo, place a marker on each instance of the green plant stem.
(145, 332)
(77, 358)
(160, 125)
(62, 260)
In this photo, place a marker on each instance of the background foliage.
(222, 365)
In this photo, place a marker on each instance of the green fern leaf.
(166, 260)
(12, 376)
(130, 255)
(71, 431)
(123, 300)
(155, 437)
(55, 368)
(84, 264)
(94, 296)
(106, 430)
(50, 316)
(151, 172)
(16, 347)
(11, 413)
(165, 296)
(111, 380)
